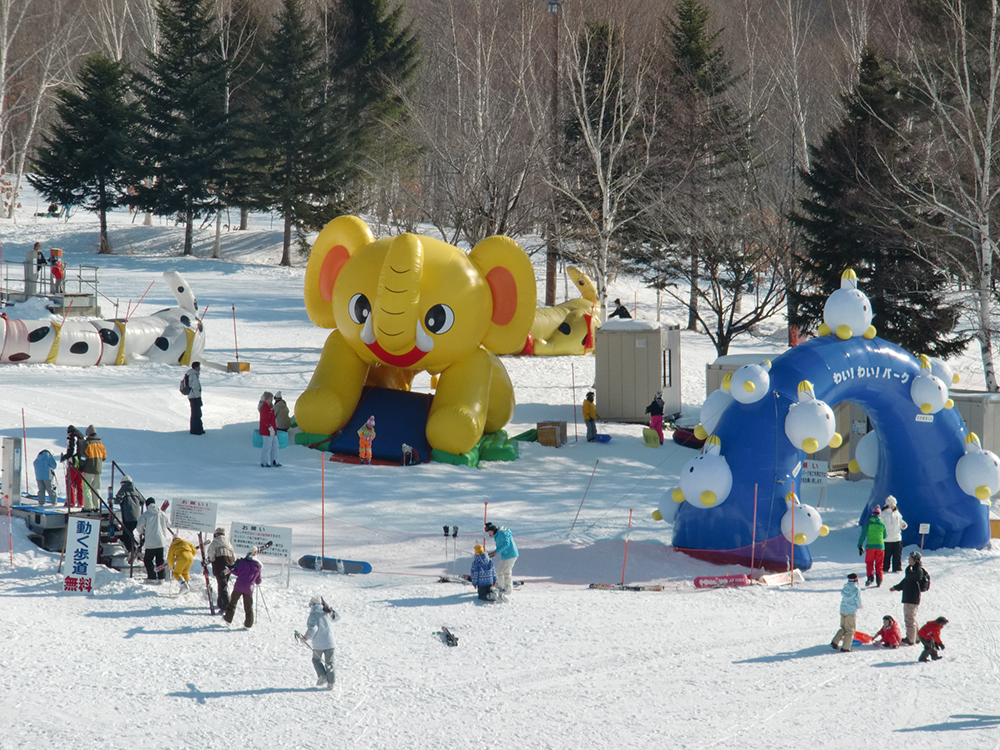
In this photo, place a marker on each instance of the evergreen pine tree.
(89, 157)
(856, 218)
(187, 138)
(296, 146)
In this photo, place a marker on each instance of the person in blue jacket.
(507, 550)
(45, 467)
(850, 603)
(483, 574)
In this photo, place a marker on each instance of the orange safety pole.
(627, 533)
(753, 531)
(203, 313)
(235, 340)
(66, 314)
(141, 299)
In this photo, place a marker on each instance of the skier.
(590, 417)
(890, 634)
(130, 502)
(45, 467)
(319, 631)
(915, 581)
(221, 554)
(655, 412)
(179, 558)
(873, 532)
(484, 574)
(268, 431)
(505, 546)
(930, 636)
(366, 436)
(282, 419)
(247, 572)
(193, 379)
(95, 454)
(74, 457)
(850, 603)
(894, 528)
(152, 529)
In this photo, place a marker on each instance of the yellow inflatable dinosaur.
(567, 328)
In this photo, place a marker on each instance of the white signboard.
(196, 515)
(925, 528)
(246, 536)
(83, 538)
(814, 472)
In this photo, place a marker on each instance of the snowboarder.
(282, 419)
(193, 380)
(152, 529)
(95, 453)
(590, 417)
(850, 603)
(179, 558)
(483, 574)
(45, 467)
(507, 549)
(247, 572)
(221, 555)
(366, 436)
(74, 457)
(915, 581)
(130, 502)
(318, 630)
(655, 412)
(268, 431)
(873, 532)
(894, 528)
(621, 312)
(930, 636)
(889, 634)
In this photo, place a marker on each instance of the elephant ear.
(511, 278)
(338, 241)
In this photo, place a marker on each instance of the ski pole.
(260, 589)
(446, 549)
(454, 538)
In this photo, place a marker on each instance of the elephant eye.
(439, 319)
(359, 309)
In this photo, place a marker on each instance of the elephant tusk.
(424, 342)
(368, 332)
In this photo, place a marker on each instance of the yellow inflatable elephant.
(404, 304)
(567, 328)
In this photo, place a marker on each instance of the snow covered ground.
(561, 666)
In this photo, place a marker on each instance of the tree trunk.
(216, 248)
(286, 240)
(693, 299)
(985, 291)
(244, 218)
(189, 228)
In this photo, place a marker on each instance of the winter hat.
(659, 393)
(490, 527)
(371, 421)
(126, 478)
(277, 394)
(915, 556)
(91, 431)
(890, 500)
(479, 549)
(150, 501)
(942, 621)
(220, 531)
(852, 576)
(316, 599)
(876, 511)
(254, 551)
(70, 430)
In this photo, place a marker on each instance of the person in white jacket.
(894, 526)
(152, 529)
(321, 616)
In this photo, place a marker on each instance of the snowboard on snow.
(335, 565)
(602, 438)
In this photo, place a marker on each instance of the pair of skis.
(450, 638)
(625, 587)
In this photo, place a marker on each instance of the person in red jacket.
(930, 636)
(268, 430)
(890, 634)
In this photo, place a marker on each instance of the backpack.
(185, 386)
(925, 580)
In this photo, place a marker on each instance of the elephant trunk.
(396, 307)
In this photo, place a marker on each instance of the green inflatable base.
(495, 446)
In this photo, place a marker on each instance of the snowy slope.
(561, 666)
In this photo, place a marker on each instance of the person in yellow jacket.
(179, 558)
(590, 417)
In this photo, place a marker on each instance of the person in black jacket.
(655, 412)
(621, 312)
(915, 581)
(74, 457)
(130, 502)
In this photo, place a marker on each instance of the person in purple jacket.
(247, 572)
(483, 574)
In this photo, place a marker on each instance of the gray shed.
(633, 360)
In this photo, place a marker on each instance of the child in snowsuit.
(45, 466)
(247, 572)
(366, 436)
(268, 431)
(221, 555)
(282, 419)
(930, 636)
(179, 558)
(483, 574)
(873, 533)
(850, 603)
(655, 412)
(318, 629)
(74, 458)
(95, 453)
(890, 634)
(590, 417)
